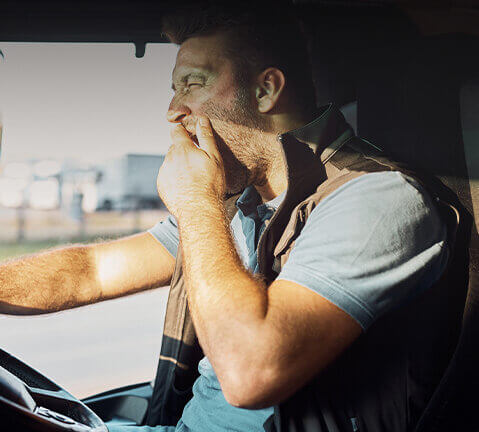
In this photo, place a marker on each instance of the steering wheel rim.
(30, 399)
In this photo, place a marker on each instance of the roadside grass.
(48, 229)
(8, 251)
(12, 250)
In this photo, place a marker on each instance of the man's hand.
(191, 176)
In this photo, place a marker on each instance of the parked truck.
(129, 183)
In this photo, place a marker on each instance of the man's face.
(205, 83)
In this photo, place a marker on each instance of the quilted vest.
(385, 379)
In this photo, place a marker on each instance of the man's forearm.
(49, 281)
(227, 302)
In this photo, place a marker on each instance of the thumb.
(206, 139)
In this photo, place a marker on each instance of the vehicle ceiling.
(137, 21)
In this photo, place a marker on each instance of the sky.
(88, 102)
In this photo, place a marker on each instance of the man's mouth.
(192, 136)
(194, 139)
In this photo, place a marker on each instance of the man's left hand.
(191, 175)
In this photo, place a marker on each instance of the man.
(369, 247)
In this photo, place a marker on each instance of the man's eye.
(194, 84)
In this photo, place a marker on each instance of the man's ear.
(270, 85)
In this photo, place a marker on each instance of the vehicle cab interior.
(405, 75)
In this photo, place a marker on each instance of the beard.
(238, 133)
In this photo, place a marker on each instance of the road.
(93, 348)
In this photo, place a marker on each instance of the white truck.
(129, 183)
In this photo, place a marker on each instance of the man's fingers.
(206, 139)
(179, 135)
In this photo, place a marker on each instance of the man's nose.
(176, 115)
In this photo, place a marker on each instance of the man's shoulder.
(389, 187)
(370, 216)
(372, 243)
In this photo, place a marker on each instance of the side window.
(84, 133)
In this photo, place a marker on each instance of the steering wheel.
(31, 402)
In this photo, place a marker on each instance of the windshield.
(84, 132)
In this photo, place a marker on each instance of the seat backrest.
(420, 102)
(417, 97)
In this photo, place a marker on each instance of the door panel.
(125, 405)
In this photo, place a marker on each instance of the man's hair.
(256, 38)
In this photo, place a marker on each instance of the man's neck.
(274, 180)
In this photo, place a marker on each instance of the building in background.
(124, 183)
(129, 183)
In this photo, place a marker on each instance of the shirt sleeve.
(371, 245)
(166, 232)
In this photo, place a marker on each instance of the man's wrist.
(202, 208)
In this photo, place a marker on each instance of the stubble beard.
(239, 138)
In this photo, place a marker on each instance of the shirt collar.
(325, 134)
(250, 202)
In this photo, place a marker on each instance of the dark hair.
(257, 38)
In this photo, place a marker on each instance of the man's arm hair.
(75, 275)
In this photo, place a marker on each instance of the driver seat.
(426, 100)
